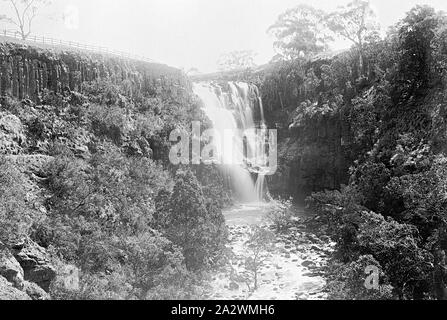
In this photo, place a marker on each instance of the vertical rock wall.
(25, 71)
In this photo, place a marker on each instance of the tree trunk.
(361, 61)
(22, 33)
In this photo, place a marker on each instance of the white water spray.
(231, 108)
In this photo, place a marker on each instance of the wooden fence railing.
(80, 46)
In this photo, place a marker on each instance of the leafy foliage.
(16, 212)
(300, 32)
(304, 32)
(259, 244)
(191, 223)
(280, 214)
(355, 22)
(346, 281)
(237, 60)
(395, 246)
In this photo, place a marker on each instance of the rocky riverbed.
(290, 271)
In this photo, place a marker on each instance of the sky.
(187, 33)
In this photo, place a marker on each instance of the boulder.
(8, 292)
(10, 268)
(35, 264)
(234, 286)
(35, 292)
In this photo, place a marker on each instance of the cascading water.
(232, 108)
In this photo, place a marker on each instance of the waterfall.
(234, 106)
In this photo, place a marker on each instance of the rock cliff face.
(46, 81)
(25, 272)
(310, 159)
(8, 292)
(26, 71)
(10, 269)
(304, 104)
(35, 264)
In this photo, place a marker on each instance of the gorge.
(76, 102)
(359, 184)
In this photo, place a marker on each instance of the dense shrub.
(214, 187)
(349, 281)
(422, 197)
(148, 258)
(280, 214)
(17, 213)
(108, 194)
(395, 246)
(195, 226)
(371, 179)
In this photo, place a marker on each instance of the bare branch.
(25, 13)
(8, 20)
(16, 9)
(30, 3)
(30, 21)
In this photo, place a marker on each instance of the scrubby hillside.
(86, 184)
